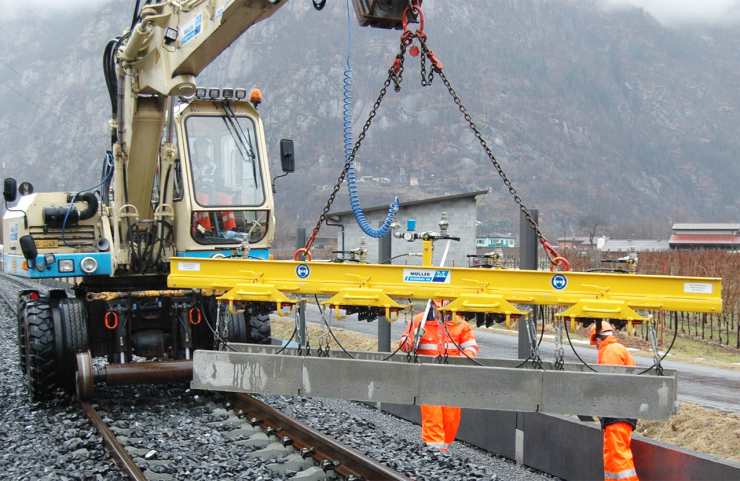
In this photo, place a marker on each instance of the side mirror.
(10, 189)
(287, 157)
(26, 188)
(28, 247)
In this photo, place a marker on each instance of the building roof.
(704, 239)
(491, 235)
(709, 226)
(579, 239)
(479, 194)
(623, 245)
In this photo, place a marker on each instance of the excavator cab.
(224, 177)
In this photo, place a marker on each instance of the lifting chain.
(441, 338)
(559, 364)
(225, 336)
(406, 327)
(320, 350)
(308, 343)
(656, 353)
(298, 329)
(534, 350)
(217, 334)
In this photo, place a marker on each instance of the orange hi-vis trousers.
(439, 425)
(618, 462)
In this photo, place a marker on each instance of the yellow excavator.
(187, 175)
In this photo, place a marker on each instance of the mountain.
(592, 113)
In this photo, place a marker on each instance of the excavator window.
(225, 173)
(224, 161)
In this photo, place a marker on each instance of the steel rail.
(116, 449)
(353, 463)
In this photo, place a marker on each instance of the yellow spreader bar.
(586, 294)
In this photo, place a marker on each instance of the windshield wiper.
(244, 140)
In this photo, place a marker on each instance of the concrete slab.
(611, 394)
(237, 372)
(372, 381)
(480, 387)
(630, 396)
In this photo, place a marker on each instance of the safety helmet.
(604, 329)
(440, 302)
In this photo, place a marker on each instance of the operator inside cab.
(225, 174)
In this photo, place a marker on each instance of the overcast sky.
(48, 9)
(668, 12)
(685, 12)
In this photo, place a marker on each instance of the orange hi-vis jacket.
(461, 334)
(618, 462)
(612, 352)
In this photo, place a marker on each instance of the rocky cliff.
(589, 111)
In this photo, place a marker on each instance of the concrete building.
(705, 236)
(461, 215)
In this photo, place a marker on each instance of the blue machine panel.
(13, 265)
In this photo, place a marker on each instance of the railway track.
(270, 439)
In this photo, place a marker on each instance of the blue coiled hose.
(354, 199)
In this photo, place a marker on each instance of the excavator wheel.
(237, 328)
(260, 331)
(40, 350)
(74, 324)
(23, 299)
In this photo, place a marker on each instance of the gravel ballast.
(175, 433)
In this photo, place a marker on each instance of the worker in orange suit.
(618, 462)
(439, 423)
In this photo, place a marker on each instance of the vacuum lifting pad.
(615, 394)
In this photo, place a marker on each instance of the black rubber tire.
(74, 324)
(237, 328)
(40, 350)
(23, 299)
(259, 331)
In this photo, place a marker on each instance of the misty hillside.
(590, 112)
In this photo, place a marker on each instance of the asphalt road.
(702, 385)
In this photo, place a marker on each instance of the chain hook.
(416, 10)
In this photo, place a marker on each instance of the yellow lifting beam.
(585, 294)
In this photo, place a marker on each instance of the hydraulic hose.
(354, 199)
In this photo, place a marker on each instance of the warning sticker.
(697, 287)
(192, 29)
(189, 266)
(431, 276)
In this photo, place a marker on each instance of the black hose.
(447, 331)
(92, 205)
(574, 349)
(330, 331)
(287, 343)
(136, 14)
(394, 257)
(675, 334)
(542, 334)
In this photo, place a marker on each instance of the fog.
(47, 9)
(685, 12)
